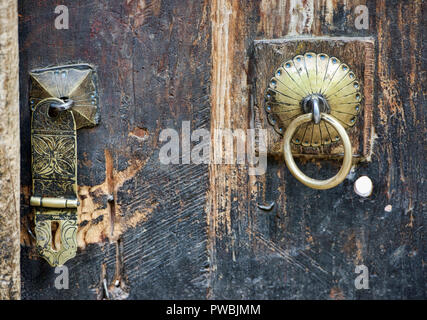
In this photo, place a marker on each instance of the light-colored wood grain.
(10, 284)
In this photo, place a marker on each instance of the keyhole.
(53, 113)
(56, 235)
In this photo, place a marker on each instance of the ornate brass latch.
(312, 100)
(62, 99)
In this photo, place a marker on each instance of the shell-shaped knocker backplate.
(304, 76)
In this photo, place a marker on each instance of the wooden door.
(197, 231)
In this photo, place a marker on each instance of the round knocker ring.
(293, 168)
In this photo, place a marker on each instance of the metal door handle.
(297, 173)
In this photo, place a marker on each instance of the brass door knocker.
(313, 99)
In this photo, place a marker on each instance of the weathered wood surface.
(152, 59)
(10, 282)
(308, 245)
(193, 231)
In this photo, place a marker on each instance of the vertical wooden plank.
(10, 282)
(400, 120)
(229, 186)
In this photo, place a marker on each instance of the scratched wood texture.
(308, 245)
(153, 64)
(195, 231)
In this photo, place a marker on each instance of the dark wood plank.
(153, 64)
(308, 245)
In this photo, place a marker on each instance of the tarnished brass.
(75, 82)
(54, 172)
(303, 77)
(293, 168)
(53, 202)
(54, 152)
(312, 99)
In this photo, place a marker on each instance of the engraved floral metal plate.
(54, 173)
(313, 74)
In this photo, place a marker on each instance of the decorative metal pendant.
(54, 171)
(62, 99)
(310, 77)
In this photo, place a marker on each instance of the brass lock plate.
(54, 153)
(281, 63)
